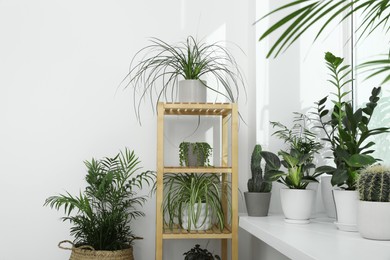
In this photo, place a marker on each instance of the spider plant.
(306, 13)
(161, 65)
(187, 191)
(102, 214)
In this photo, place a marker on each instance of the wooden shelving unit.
(228, 112)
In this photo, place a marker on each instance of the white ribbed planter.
(297, 205)
(203, 222)
(192, 90)
(346, 209)
(374, 220)
(327, 195)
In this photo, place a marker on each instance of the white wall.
(60, 66)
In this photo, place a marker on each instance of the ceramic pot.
(297, 205)
(374, 220)
(257, 203)
(346, 209)
(192, 91)
(327, 195)
(202, 223)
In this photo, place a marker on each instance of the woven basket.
(89, 253)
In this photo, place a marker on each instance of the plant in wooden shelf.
(166, 69)
(373, 185)
(258, 197)
(193, 200)
(107, 207)
(194, 154)
(198, 253)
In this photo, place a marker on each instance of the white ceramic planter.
(192, 91)
(346, 209)
(327, 195)
(374, 220)
(297, 205)
(313, 186)
(203, 222)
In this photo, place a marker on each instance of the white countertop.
(318, 240)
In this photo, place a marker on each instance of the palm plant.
(187, 192)
(162, 65)
(306, 13)
(102, 214)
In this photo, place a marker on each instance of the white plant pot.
(202, 223)
(374, 220)
(297, 205)
(193, 91)
(313, 186)
(327, 195)
(346, 209)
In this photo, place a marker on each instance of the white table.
(319, 240)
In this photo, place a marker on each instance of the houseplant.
(304, 14)
(194, 154)
(193, 200)
(101, 215)
(258, 196)
(374, 206)
(348, 134)
(161, 67)
(198, 253)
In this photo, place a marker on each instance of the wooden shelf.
(214, 233)
(197, 169)
(203, 109)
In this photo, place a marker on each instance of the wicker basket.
(89, 253)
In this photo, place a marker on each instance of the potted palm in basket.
(166, 69)
(102, 215)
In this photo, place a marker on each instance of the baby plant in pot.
(258, 196)
(160, 70)
(194, 154)
(373, 186)
(102, 215)
(193, 200)
(348, 134)
(198, 253)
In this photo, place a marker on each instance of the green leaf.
(360, 160)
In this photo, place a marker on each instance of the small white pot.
(193, 91)
(327, 195)
(346, 209)
(297, 205)
(203, 222)
(374, 220)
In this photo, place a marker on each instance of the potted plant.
(258, 196)
(198, 253)
(193, 200)
(373, 186)
(348, 134)
(194, 154)
(166, 69)
(101, 215)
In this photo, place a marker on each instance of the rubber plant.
(102, 215)
(346, 130)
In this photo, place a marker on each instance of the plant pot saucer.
(346, 227)
(297, 221)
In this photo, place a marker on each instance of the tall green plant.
(304, 14)
(347, 131)
(101, 216)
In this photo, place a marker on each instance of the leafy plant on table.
(347, 131)
(198, 253)
(102, 215)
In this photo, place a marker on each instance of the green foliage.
(198, 253)
(201, 149)
(373, 184)
(307, 13)
(184, 190)
(261, 181)
(346, 131)
(102, 214)
(162, 65)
